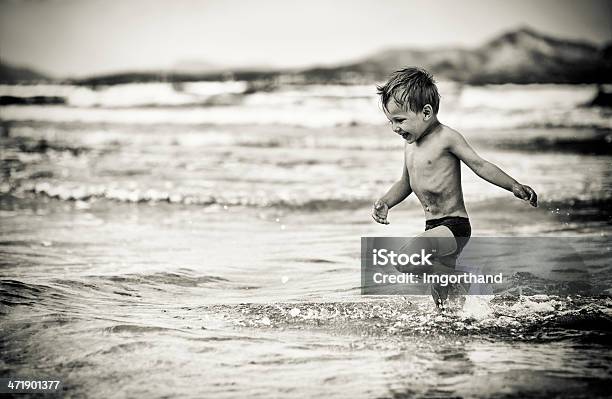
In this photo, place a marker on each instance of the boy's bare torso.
(435, 174)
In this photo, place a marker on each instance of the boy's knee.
(437, 246)
(435, 249)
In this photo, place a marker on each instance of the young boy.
(431, 170)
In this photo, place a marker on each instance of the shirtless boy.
(432, 152)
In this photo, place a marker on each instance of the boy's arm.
(488, 171)
(396, 194)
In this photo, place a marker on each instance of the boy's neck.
(433, 124)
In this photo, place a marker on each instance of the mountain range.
(14, 74)
(519, 56)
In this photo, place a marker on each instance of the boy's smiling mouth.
(405, 135)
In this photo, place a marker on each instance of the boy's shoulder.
(449, 136)
(448, 132)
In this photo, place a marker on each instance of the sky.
(85, 37)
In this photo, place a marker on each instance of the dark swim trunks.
(459, 226)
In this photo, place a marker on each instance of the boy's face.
(406, 123)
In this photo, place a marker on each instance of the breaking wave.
(84, 194)
(232, 103)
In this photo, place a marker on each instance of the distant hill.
(522, 56)
(13, 74)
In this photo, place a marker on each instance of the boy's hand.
(525, 193)
(380, 211)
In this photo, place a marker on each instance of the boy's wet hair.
(411, 88)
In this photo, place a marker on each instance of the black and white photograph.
(306, 199)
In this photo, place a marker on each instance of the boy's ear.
(427, 112)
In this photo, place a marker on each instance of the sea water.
(202, 240)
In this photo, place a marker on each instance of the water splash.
(518, 318)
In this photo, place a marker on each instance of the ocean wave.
(586, 207)
(121, 349)
(308, 116)
(321, 142)
(131, 285)
(506, 96)
(588, 141)
(181, 279)
(14, 292)
(41, 146)
(231, 103)
(86, 193)
(524, 97)
(597, 144)
(138, 329)
(129, 95)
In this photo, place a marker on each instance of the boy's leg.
(442, 243)
(445, 262)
